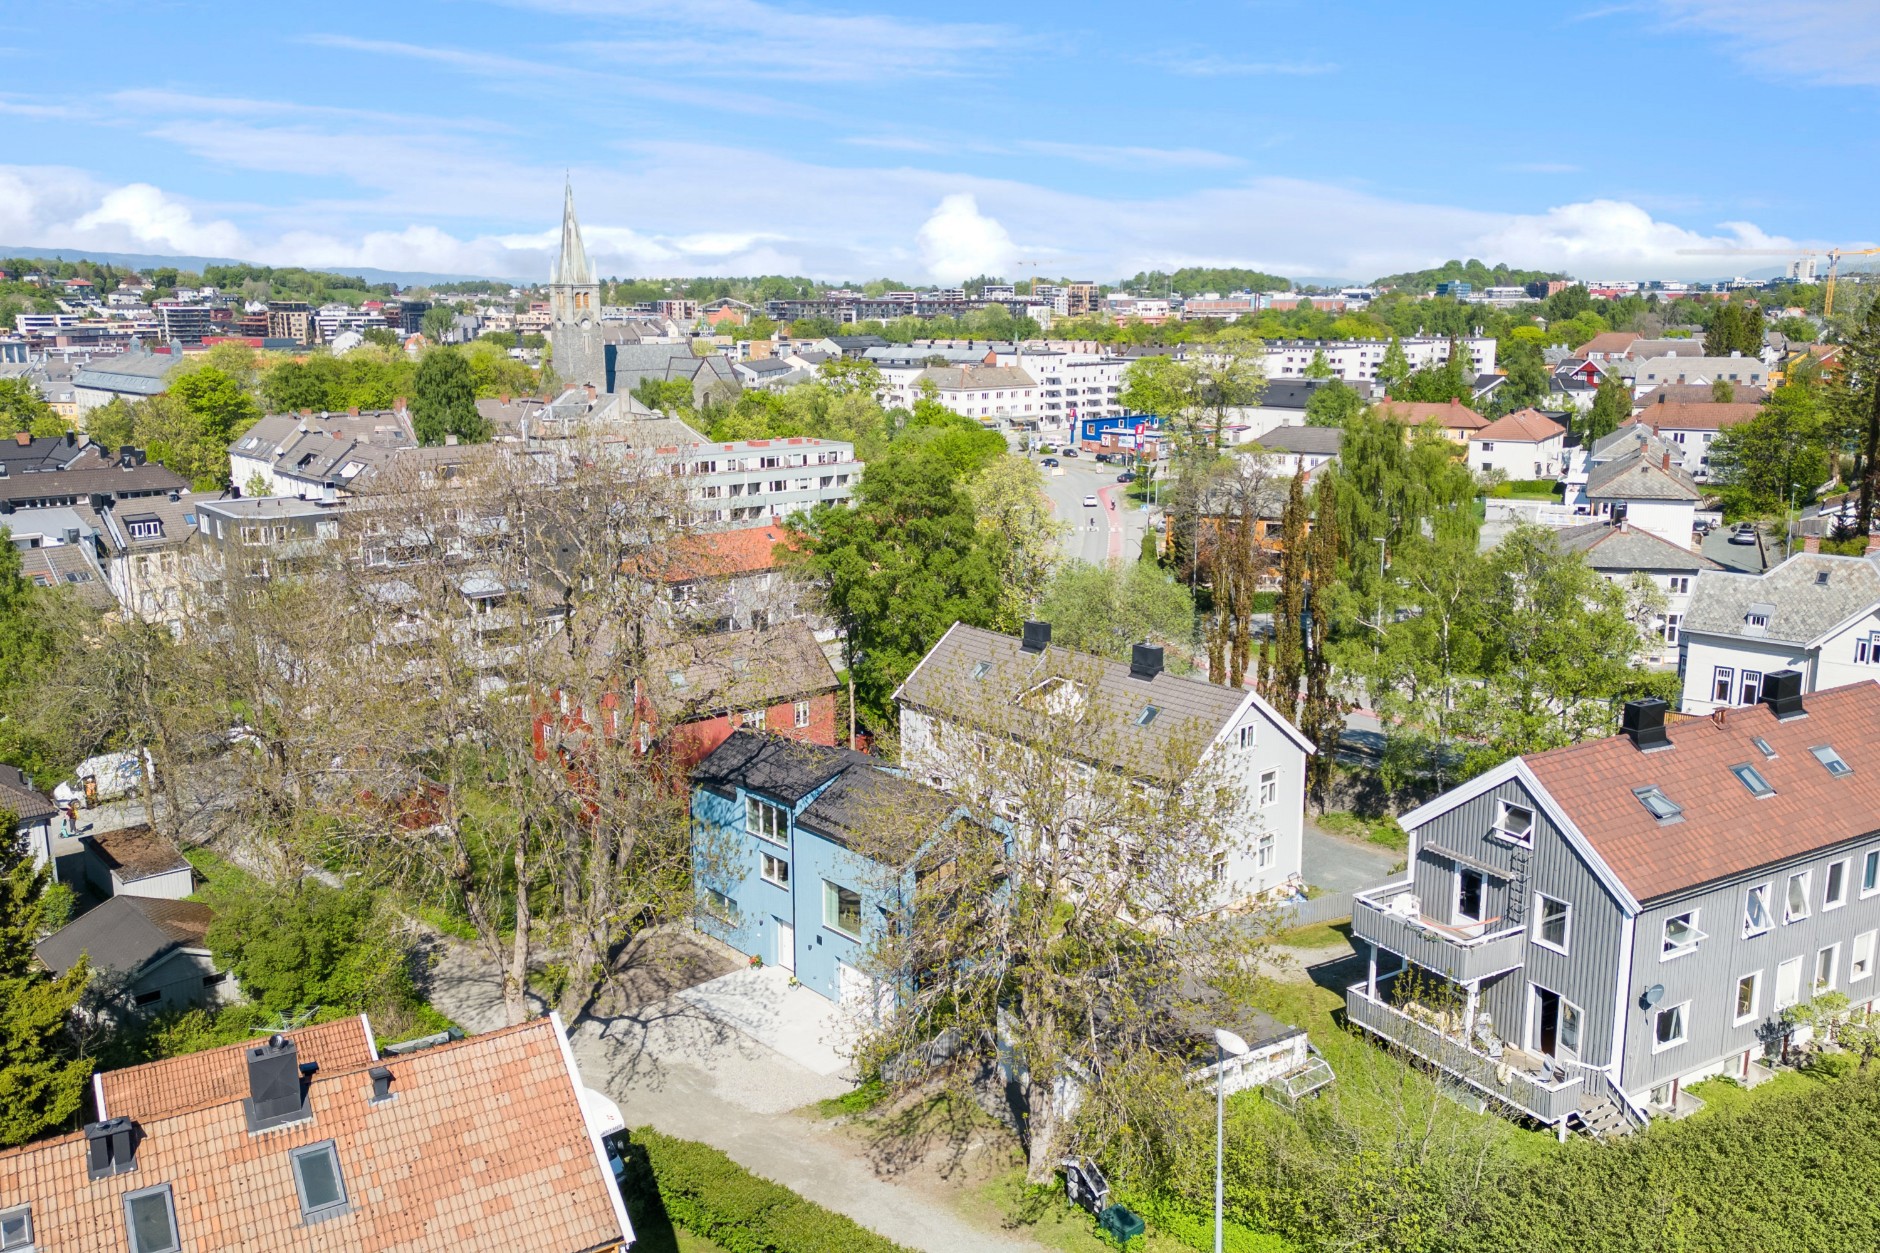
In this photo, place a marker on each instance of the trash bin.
(1122, 1222)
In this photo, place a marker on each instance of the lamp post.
(1226, 1045)
(1380, 541)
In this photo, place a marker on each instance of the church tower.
(574, 302)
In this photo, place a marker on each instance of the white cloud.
(1834, 42)
(959, 241)
(152, 220)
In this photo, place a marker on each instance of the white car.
(1090, 502)
(109, 777)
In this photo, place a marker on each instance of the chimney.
(1145, 661)
(110, 1147)
(275, 1094)
(353, 412)
(1811, 543)
(1037, 636)
(71, 439)
(1666, 463)
(450, 441)
(1644, 721)
(23, 438)
(503, 398)
(1782, 692)
(381, 1083)
(590, 392)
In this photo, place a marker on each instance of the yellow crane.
(1834, 256)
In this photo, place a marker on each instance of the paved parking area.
(1340, 865)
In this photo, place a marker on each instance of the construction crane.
(1834, 256)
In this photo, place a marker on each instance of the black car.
(1127, 476)
(1070, 452)
(1049, 462)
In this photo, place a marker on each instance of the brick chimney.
(1873, 543)
(23, 438)
(1811, 543)
(1666, 464)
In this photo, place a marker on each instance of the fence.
(1327, 908)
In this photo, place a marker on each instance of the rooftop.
(1453, 415)
(214, 1076)
(126, 933)
(1811, 595)
(1724, 828)
(1622, 547)
(1529, 426)
(18, 794)
(482, 1144)
(702, 676)
(1324, 440)
(722, 554)
(1683, 415)
(137, 852)
(1646, 473)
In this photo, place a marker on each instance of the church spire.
(571, 266)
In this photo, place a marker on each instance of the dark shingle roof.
(786, 769)
(1641, 475)
(1805, 606)
(18, 794)
(126, 933)
(1324, 440)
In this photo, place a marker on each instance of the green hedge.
(712, 1196)
(1526, 488)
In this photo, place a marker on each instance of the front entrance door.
(1546, 1022)
(786, 946)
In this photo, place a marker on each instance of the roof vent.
(1644, 721)
(276, 1093)
(1782, 692)
(1145, 661)
(111, 1147)
(1037, 636)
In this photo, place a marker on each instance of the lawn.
(1316, 935)
(1382, 831)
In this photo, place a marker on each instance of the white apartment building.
(752, 481)
(991, 393)
(1075, 385)
(1356, 359)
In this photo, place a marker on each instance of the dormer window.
(981, 669)
(1752, 779)
(1658, 805)
(1756, 619)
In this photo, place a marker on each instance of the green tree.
(42, 1083)
(1723, 391)
(309, 945)
(674, 396)
(1780, 454)
(1319, 367)
(1854, 398)
(1735, 327)
(1394, 370)
(1612, 405)
(1009, 499)
(1105, 609)
(22, 408)
(901, 565)
(1333, 404)
(438, 321)
(444, 402)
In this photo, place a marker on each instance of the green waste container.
(1122, 1222)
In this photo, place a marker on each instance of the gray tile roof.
(1189, 712)
(17, 794)
(1805, 607)
(734, 670)
(126, 933)
(133, 373)
(1324, 440)
(1609, 547)
(1640, 475)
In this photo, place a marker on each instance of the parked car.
(1049, 462)
(1070, 452)
(1127, 476)
(1745, 533)
(1090, 502)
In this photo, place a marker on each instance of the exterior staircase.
(1607, 1114)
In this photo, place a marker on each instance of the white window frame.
(1769, 919)
(1665, 951)
(1755, 979)
(1455, 909)
(1788, 896)
(1269, 787)
(1265, 851)
(1870, 870)
(1523, 835)
(1846, 867)
(1860, 958)
(310, 1214)
(1250, 735)
(801, 711)
(1566, 922)
(753, 823)
(1815, 982)
(20, 1213)
(832, 909)
(1777, 1003)
(1683, 1011)
(764, 859)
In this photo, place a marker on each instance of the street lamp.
(1380, 541)
(1226, 1045)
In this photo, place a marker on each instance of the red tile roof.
(1725, 830)
(721, 554)
(1454, 415)
(1523, 426)
(1687, 416)
(483, 1146)
(158, 1089)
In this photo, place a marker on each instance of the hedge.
(710, 1195)
(1173, 1219)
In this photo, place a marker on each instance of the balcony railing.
(1391, 918)
(1536, 1093)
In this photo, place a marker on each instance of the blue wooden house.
(778, 827)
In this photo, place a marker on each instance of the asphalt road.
(1113, 530)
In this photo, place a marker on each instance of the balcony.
(1391, 917)
(1517, 1079)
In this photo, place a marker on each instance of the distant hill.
(1471, 271)
(1193, 280)
(149, 261)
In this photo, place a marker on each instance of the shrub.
(710, 1195)
(309, 945)
(1172, 1218)
(1831, 1065)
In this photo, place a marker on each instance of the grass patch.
(215, 872)
(1316, 935)
(1382, 831)
(1045, 1217)
(1720, 1094)
(859, 1100)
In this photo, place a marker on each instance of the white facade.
(1518, 458)
(1074, 385)
(1735, 368)
(1355, 359)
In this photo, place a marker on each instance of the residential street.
(1119, 524)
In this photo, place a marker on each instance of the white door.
(786, 946)
(861, 997)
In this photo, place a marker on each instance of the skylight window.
(1821, 578)
(1762, 746)
(1147, 715)
(981, 669)
(1752, 779)
(1657, 804)
(1831, 760)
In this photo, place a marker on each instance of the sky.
(848, 141)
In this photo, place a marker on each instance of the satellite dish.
(1652, 995)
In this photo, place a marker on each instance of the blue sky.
(845, 140)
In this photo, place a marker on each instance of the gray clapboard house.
(1583, 932)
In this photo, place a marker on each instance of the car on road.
(1049, 462)
(1745, 533)
(1090, 502)
(1070, 452)
(1127, 476)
